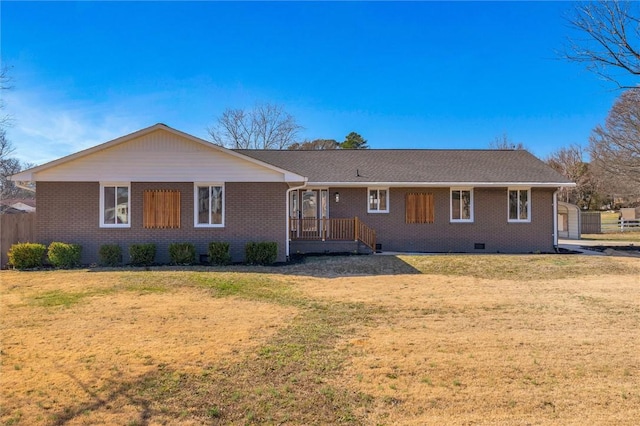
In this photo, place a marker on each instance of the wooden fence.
(591, 223)
(599, 223)
(15, 228)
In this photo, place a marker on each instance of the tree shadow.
(127, 390)
(327, 266)
(319, 266)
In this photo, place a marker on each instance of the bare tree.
(503, 142)
(266, 126)
(315, 145)
(610, 42)
(8, 165)
(615, 147)
(569, 163)
(5, 84)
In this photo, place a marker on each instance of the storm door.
(309, 207)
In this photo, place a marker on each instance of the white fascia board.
(446, 184)
(24, 176)
(28, 175)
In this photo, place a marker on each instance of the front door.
(310, 206)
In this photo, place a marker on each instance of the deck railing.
(330, 229)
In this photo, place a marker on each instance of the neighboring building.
(18, 205)
(161, 185)
(569, 221)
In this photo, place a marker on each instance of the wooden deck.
(330, 229)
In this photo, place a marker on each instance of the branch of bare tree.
(611, 40)
(266, 126)
(615, 147)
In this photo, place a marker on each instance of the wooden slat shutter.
(419, 208)
(161, 209)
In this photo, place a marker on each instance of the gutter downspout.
(287, 215)
(555, 220)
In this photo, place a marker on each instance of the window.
(115, 206)
(419, 208)
(461, 205)
(519, 205)
(209, 208)
(378, 201)
(161, 209)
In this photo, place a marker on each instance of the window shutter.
(419, 208)
(161, 209)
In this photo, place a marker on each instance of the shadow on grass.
(313, 266)
(331, 266)
(115, 393)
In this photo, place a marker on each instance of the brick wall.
(490, 226)
(69, 212)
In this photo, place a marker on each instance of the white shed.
(568, 221)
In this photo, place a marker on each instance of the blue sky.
(403, 75)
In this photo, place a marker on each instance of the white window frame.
(117, 185)
(196, 185)
(529, 204)
(369, 209)
(471, 216)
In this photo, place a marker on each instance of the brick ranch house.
(159, 185)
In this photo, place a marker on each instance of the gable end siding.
(160, 157)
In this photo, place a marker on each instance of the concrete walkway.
(582, 245)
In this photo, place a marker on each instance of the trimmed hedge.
(142, 254)
(63, 255)
(264, 253)
(26, 255)
(110, 255)
(219, 253)
(182, 253)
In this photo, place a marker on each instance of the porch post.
(555, 219)
(323, 221)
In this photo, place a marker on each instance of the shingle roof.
(409, 166)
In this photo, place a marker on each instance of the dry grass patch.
(358, 340)
(462, 349)
(520, 267)
(71, 351)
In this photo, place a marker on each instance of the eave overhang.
(445, 184)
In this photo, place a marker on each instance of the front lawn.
(446, 339)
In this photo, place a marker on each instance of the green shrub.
(182, 253)
(26, 255)
(263, 253)
(219, 253)
(142, 254)
(110, 255)
(63, 255)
